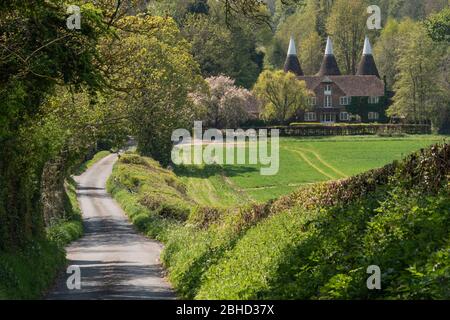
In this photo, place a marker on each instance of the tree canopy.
(281, 94)
(225, 105)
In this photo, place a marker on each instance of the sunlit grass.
(302, 161)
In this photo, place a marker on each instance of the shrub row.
(348, 129)
(154, 198)
(314, 243)
(324, 253)
(426, 170)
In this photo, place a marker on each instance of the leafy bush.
(131, 158)
(208, 235)
(320, 249)
(153, 197)
(324, 253)
(71, 228)
(203, 217)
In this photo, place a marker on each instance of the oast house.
(341, 98)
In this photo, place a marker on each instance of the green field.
(302, 161)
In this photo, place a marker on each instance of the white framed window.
(374, 100)
(344, 116)
(373, 116)
(328, 117)
(312, 101)
(345, 101)
(310, 116)
(328, 101)
(327, 90)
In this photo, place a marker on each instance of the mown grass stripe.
(303, 156)
(324, 163)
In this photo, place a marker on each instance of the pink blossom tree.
(225, 105)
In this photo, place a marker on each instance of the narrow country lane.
(115, 261)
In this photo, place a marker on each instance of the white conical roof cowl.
(329, 65)
(329, 47)
(367, 47)
(292, 64)
(292, 51)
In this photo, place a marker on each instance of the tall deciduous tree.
(438, 26)
(385, 51)
(419, 94)
(311, 53)
(37, 52)
(347, 26)
(281, 95)
(220, 44)
(154, 72)
(68, 126)
(298, 25)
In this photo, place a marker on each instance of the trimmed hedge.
(348, 129)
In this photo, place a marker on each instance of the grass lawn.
(302, 161)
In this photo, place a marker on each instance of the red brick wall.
(319, 108)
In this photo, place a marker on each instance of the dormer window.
(327, 90)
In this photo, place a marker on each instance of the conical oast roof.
(367, 66)
(329, 65)
(292, 64)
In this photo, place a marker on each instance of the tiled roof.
(367, 66)
(353, 86)
(329, 66)
(311, 81)
(293, 65)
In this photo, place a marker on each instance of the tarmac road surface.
(115, 261)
